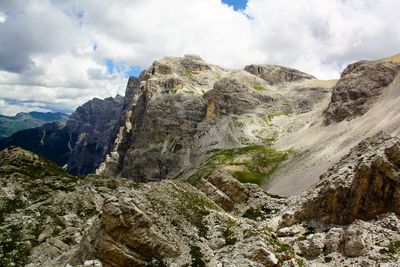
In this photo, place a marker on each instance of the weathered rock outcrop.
(360, 85)
(184, 108)
(364, 184)
(43, 210)
(92, 130)
(274, 74)
(230, 96)
(51, 218)
(81, 144)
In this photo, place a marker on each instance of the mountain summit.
(200, 165)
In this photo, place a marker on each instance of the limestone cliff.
(182, 110)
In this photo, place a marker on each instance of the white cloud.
(9, 109)
(3, 17)
(48, 53)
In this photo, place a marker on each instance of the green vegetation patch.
(394, 247)
(176, 148)
(184, 201)
(283, 251)
(190, 73)
(197, 257)
(250, 164)
(254, 215)
(257, 162)
(228, 232)
(13, 251)
(259, 88)
(194, 207)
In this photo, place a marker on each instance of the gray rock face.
(274, 74)
(357, 243)
(363, 185)
(183, 108)
(92, 130)
(230, 96)
(82, 143)
(49, 218)
(314, 246)
(359, 86)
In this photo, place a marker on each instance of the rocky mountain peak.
(183, 108)
(201, 140)
(359, 86)
(274, 74)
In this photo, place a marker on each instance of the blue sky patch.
(127, 70)
(133, 71)
(237, 4)
(110, 66)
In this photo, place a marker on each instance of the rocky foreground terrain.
(194, 162)
(350, 218)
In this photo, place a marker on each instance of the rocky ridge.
(373, 107)
(64, 219)
(353, 211)
(217, 140)
(184, 110)
(359, 87)
(368, 178)
(50, 218)
(81, 143)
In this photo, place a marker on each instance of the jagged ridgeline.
(185, 118)
(78, 145)
(182, 161)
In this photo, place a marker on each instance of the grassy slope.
(248, 164)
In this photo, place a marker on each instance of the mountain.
(81, 143)
(50, 218)
(205, 166)
(22, 121)
(188, 118)
(364, 102)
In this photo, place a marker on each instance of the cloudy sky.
(57, 54)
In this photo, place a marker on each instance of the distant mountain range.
(22, 121)
(78, 142)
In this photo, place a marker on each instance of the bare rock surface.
(184, 109)
(359, 86)
(274, 74)
(364, 184)
(217, 134)
(49, 218)
(80, 144)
